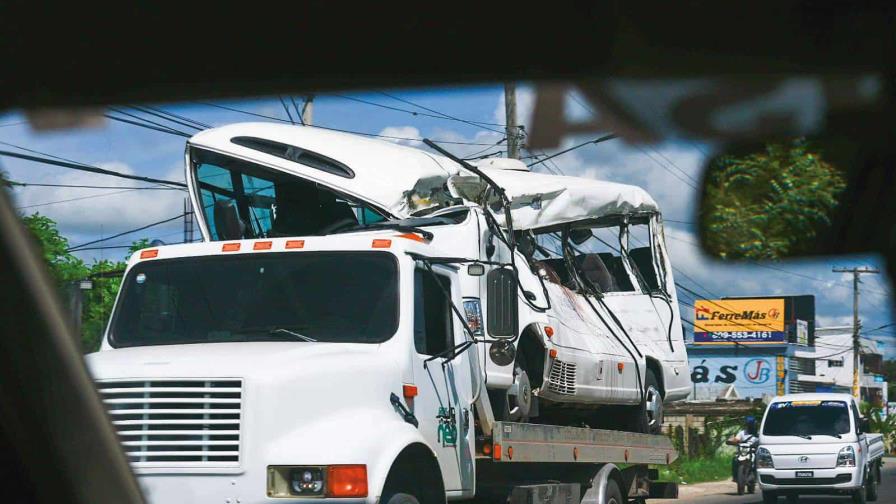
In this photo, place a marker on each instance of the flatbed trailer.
(531, 463)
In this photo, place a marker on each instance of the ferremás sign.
(732, 321)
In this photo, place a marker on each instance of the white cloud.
(402, 132)
(83, 213)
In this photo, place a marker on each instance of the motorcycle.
(746, 468)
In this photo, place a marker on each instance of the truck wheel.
(613, 495)
(871, 486)
(769, 497)
(648, 416)
(858, 496)
(400, 498)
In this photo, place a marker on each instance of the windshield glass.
(347, 297)
(245, 200)
(806, 418)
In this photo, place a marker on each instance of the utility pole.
(511, 129)
(308, 110)
(856, 324)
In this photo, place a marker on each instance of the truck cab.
(274, 368)
(817, 444)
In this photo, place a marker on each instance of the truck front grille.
(179, 422)
(562, 378)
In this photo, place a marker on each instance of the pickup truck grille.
(189, 422)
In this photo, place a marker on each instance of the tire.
(648, 416)
(769, 497)
(743, 473)
(858, 496)
(871, 486)
(400, 498)
(613, 495)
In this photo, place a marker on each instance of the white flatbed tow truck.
(366, 322)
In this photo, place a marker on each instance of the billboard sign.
(751, 376)
(733, 321)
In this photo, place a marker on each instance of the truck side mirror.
(864, 425)
(502, 303)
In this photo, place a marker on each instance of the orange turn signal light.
(496, 452)
(620, 366)
(549, 331)
(381, 243)
(294, 244)
(230, 247)
(347, 481)
(409, 391)
(413, 236)
(149, 253)
(262, 245)
(553, 353)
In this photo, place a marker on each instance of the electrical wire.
(390, 137)
(48, 203)
(286, 108)
(135, 123)
(564, 151)
(176, 116)
(75, 248)
(161, 115)
(444, 115)
(90, 169)
(148, 122)
(79, 186)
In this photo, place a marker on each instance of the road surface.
(726, 492)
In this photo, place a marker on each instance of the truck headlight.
(846, 457)
(473, 311)
(317, 481)
(764, 459)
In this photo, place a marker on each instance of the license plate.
(805, 474)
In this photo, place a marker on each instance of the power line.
(286, 108)
(595, 141)
(443, 115)
(90, 169)
(76, 248)
(147, 122)
(390, 137)
(78, 186)
(162, 115)
(73, 199)
(147, 126)
(176, 116)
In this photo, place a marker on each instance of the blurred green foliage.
(67, 269)
(769, 204)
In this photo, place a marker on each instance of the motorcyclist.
(745, 435)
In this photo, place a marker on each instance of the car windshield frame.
(275, 330)
(781, 418)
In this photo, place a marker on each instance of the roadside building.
(748, 348)
(834, 365)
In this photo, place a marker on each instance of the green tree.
(66, 268)
(768, 204)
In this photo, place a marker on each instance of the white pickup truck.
(817, 444)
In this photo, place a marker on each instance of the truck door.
(443, 404)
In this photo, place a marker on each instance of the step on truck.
(369, 322)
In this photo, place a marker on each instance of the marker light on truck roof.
(295, 244)
(262, 245)
(381, 243)
(230, 247)
(149, 253)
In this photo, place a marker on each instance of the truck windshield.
(807, 418)
(349, 297)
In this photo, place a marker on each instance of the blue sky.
(96, 213)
